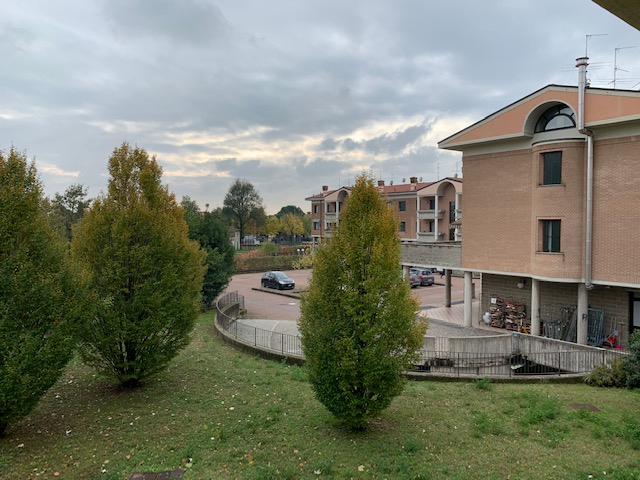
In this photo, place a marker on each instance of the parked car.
(279, 280)
(424, 274)
(414, 281)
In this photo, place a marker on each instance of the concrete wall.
(445, 255)
(494, 351)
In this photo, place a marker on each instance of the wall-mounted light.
(521, 283)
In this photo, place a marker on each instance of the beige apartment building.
(426, 211)
(552, 208)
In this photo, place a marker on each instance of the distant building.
(426, 211)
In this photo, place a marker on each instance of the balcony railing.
(430, 214)
(427, 236)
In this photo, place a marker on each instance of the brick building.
(552, 207)
(426, 211)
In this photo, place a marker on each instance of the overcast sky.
(287, 94)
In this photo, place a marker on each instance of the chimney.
(413, 179)
(381, 183)
(325, 188)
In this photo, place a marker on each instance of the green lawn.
(219, 413)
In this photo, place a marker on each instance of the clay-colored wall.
(496, 227)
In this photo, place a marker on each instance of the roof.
(517, 120)
(387, 189)
(627, 10)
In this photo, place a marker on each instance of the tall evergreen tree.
(143, 266)
(358, 324)
(40, 298)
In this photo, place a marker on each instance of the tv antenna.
(586, 41)
(615, 63)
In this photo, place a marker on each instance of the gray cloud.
(290, 95)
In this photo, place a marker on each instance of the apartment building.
(552, 206)
(426, 211)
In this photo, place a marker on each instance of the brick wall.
(616, 211)
(497, 211)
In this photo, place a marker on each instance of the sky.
(290, 95)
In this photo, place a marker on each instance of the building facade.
(426, 211)
(552, 217)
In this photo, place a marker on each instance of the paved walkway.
(443, 322)
(277, 312)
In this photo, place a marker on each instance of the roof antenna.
(615, 64)
(586, 41)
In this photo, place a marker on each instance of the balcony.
(430, 214)
(426, 236)
(331, 217)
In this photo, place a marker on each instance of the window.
(552, 168)
(555, 118)
(315, 209)
(431, 222)
(551, 235)
(402, 205)
(432, 204)
(316, 225)
(403, 227)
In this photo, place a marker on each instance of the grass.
(219, 413)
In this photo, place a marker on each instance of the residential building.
(426, 211)
(551, 207)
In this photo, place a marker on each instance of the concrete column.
(535, 307)
(405, 271)
(468, 299)
(581, 316)
(435, 220)
(447, 287)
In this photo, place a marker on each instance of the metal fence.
(229, 305)
(513, 364)
(516, 355)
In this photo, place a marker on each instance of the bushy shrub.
(632, 362)
(268, 249)
(304, 262)
(293, 249)
(250, 263)
(605, 375)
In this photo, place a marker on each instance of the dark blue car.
(279, 280)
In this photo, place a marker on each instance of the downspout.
(582, 63)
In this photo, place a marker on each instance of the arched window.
(555, 118)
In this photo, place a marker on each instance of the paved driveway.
(274, 311)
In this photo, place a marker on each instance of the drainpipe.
(582, 63)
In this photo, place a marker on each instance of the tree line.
(121, 279)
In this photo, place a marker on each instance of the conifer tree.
(358, 323)
(144, 269)
(40, 296)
